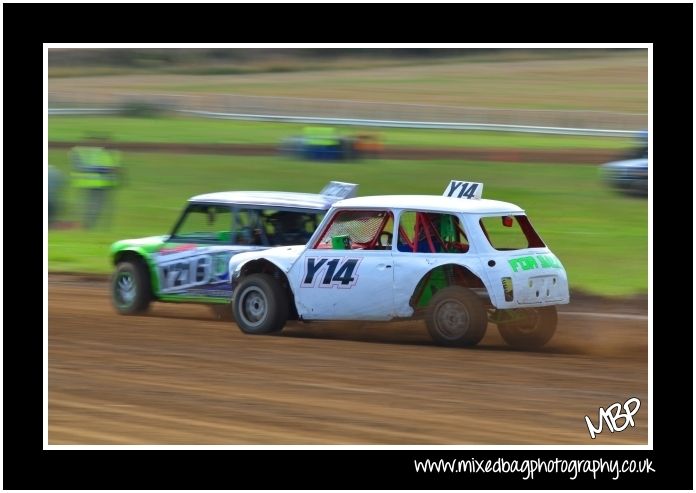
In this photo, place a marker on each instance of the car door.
(348, 273)
(425, 242)
(192, 263)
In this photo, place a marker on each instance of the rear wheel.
(260, 305)
(533, 328)
(130, 288)
(456, 317)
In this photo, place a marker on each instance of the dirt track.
(179, 377)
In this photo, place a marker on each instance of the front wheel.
(533, 328)
(130, 289)
(260, 305)
(456, 317)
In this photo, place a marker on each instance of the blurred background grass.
(584, 79)
(201, 131)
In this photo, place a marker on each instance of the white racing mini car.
(458, 260)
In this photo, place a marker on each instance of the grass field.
(198, 130)
(606, 82)
(601, 237)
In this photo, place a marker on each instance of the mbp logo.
(613, 414)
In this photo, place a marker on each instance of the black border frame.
(26, 27)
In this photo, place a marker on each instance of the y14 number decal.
(329, 272)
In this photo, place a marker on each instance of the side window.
(285, 227)
(247, 229)
(510, 232)
(272, 227)
(428, 232)
(358, 230)
(205, 224)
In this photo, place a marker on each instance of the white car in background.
(630, 175)
(456, 260)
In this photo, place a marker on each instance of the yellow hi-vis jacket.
(94, 167)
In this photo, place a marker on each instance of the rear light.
(507, 288)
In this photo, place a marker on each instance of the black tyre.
(222, 312)
(456, 317)
(260, 305)
(534, 328)
(130, 288)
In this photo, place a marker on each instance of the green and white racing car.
(190, 265)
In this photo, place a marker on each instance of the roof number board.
(463, 190)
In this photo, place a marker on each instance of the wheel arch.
(265, 266)
(444, 275)
(138, 256)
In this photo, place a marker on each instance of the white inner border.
(46, 445)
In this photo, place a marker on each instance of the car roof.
(435, 203)
(628, 163)
(270, 199)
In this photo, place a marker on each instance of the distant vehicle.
(630, 175)
(190, 264)
(55, 188)
(325, 144)
(458, 261)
